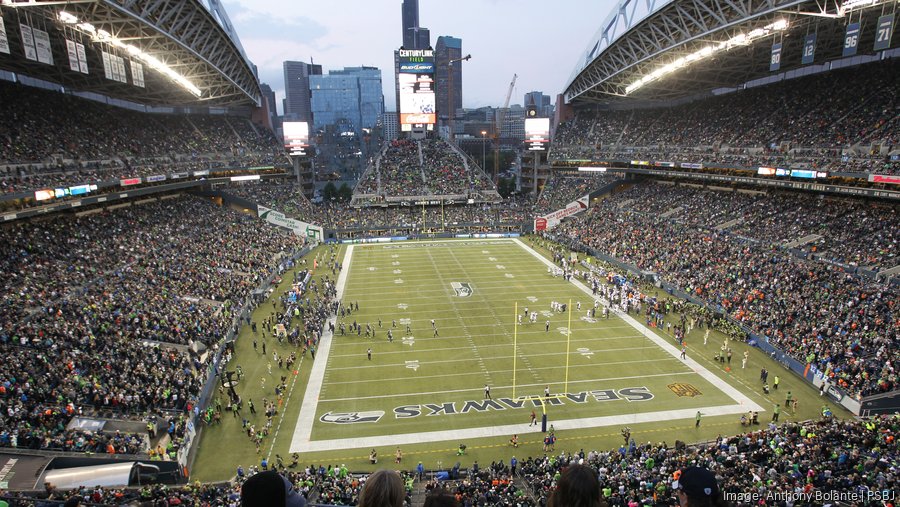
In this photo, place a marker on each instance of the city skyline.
(505, 37)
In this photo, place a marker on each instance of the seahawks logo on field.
(463, 289)
(352, 417)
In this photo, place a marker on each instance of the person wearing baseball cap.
(697, 487)
(270, 489)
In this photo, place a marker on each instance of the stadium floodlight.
(69, 19)
(741, 39)
(134, 51)
(851, 5)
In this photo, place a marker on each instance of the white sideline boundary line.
(303, 429)
(302, 442)
(746, 404)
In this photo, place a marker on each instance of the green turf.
(475, 347)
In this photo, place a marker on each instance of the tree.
(506, 186)
(345, 193)
(330, 192)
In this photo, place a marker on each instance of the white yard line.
(303, 430)
(469, 359)
(505, 346)
(363, 287)
(444, 376)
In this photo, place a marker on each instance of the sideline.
(303, 429)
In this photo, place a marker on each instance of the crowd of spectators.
(39, 124)
(97, 310)
(49, 138)
(53, 436)
(289, 199)
(213, 494)
(847, 231)
(495, 484)
(760, 467)
(419, 168)
(817, 312)
(444, 169)
(400, 169)
(809, 123)
(562, 189)
(791, 464)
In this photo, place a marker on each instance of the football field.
(427, 383)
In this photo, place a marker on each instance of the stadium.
(705, 275)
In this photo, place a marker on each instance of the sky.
(540, 41)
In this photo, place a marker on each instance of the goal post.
(541, 399)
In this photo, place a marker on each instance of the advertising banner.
(73, 55)
(551, 220)
(42, 46)
(883, 178)
(27, 42)
(298, 227)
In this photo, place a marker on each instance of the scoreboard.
(296, 137)
(416, 82)
(537, 133)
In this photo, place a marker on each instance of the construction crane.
(501, 116)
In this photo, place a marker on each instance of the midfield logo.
(352, 417)
(463, 289)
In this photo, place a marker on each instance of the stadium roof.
(168, 52)
(667, 49)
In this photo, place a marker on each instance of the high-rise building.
(390, 125)
(539, 102)
(513, 127)
(448, 78)
(414, 36)
(397, 80)
(351, 96)
(410, 14)
(296, 89)
(269, 94)
(423, 38)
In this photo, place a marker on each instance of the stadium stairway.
(234, 130)
(417, 496)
